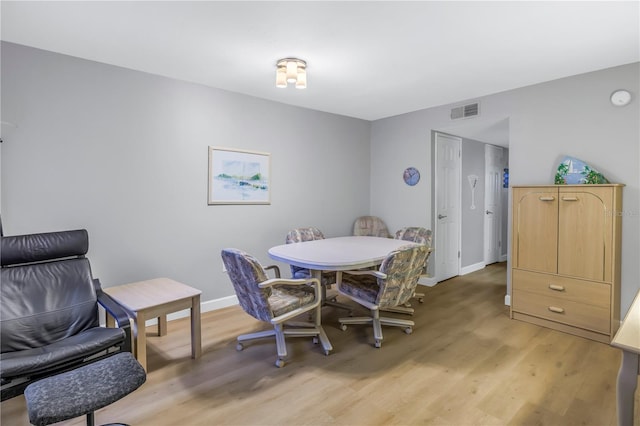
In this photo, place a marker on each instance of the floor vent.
(465, 111)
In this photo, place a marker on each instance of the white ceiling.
(368, 60)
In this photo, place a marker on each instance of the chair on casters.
(299, 235)
(371, 226)
(56, 353)
(276, 301)
(390, 286)
(416, 234)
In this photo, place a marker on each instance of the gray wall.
(472, 226)
(570, 116)
(124, 154)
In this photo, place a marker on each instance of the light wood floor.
(466, 363)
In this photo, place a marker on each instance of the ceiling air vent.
(465, 111)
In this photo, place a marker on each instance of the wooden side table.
(628, 339)
(156, 298)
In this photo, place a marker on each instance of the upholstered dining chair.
(371, 226)
(276, 301)
(298, 235)
(420, 235)
(392, 285)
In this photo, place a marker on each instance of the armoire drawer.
(572, 313)
(562, 288)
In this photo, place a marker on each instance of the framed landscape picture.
(238, 176)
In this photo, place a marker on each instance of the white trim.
(207, 306)
(428, 281)
(472, 268)
(507, 299)
(503, 258)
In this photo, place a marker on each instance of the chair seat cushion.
(286, 298)
(33, 361)
(363, 287)
(328, 277)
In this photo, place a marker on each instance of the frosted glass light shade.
(301, 82)
(281, 77)
(292, 71)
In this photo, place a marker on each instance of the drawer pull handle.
(556, 287)
(569, 198)
(556, 310)
(547, 198)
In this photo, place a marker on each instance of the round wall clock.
(411, 176)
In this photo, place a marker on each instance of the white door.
(447, 206)
(492, 205)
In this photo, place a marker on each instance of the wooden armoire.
(566, 258)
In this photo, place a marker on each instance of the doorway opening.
(482, 207)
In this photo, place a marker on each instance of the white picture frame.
(238, 176)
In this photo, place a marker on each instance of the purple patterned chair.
(392, 285)
(371, 226)
(299, 235)
(276, 301)
(420, 235)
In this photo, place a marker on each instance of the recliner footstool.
(83, 390)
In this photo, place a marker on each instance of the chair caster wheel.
(280, 363)
(343, 327)
(315, 340)
(239, 347)
(408, 330)
(421, 300)
(378, 343)
(326, 352)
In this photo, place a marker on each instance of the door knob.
(441, 216)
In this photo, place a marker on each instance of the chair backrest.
(415, 234)
(299, 235)
(246, 273)
(371, 226)
(420, 235)
(47, 291)
(403, 268)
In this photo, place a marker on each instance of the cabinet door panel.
(535, 229)
(584, 238)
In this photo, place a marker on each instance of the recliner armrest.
(116, 311)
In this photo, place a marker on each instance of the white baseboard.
(472, 268)
(428, 281)
(507, 299)
(503, 258)
(207, 306)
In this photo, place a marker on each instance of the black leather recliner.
(49, 321)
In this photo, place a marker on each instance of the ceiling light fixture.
(291, 70)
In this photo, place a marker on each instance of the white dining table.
(337, 254)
